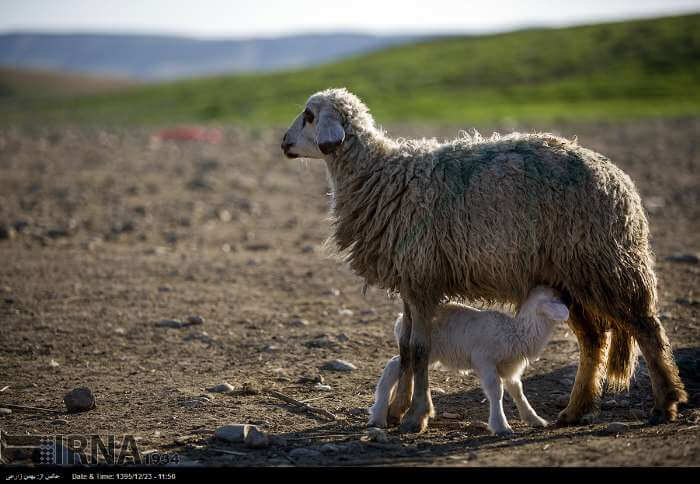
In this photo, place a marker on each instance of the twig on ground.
(24, 408)
(4, 388)
(224, 451)
(299, 404)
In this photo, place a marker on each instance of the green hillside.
(617, 70)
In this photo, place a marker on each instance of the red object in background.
(190, 133)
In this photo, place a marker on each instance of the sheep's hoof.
(414, 425)
(660, 416)
(569, 417)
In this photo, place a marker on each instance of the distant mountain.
(162, 58)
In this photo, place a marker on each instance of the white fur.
(497, 347)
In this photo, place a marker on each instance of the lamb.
(496, 346)
(489, 219)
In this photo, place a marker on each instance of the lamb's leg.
(493, 388)
(383, 393)
(404, 391)
(527, 413)
(666, 383)
(584, 402)
(421, 409)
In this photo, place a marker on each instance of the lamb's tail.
(622, 359)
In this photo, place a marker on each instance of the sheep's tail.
(622, 359)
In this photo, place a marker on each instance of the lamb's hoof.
(381, 423)
(538, 422)
(505, 432)
(414, 425)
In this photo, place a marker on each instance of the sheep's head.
(328, 119)
(546, 302)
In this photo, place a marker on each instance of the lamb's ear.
(556, 311)
(329, 131)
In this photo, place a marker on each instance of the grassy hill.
(616, 70)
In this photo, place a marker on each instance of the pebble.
(617, 427)
(250, 388)
(232, 433)
(368, 312)
(686, 258)
(121, 331)
(320, 342)
(194, 320)
(307, 249)
(270, 348)
(79, 400)
(478, 426)
(221, 388)
(450, 415)
(331, 292)
(258, 246)
(338, 365)
(303, 453)
(170, 323)
(256, 439)
(195, 403)
(345, 312)
(53, 363)
(5, 411)
(375, 434)
(298, 322)
(321, 386)
(438, 390)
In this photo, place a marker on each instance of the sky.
(269, 18)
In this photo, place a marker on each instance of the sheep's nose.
(286, 144)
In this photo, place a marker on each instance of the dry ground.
(106, 232)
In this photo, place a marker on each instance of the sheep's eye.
(308, 116)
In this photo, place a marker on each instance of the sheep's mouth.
(290, 155)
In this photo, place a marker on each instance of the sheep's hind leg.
(666, 382)
(584, 402)
(421, 409)
(402, 397)
(527, 413)
(383, 393)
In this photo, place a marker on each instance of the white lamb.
(496, 346)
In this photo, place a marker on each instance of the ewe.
(490, 219)
(496, 346)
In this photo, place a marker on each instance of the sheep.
(488, 219)
(496, 346)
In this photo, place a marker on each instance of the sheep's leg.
(527, 413)
(493, 388)
(404, 391)
(584, 402)
(383, 393)
(421, 409)
(666, 382)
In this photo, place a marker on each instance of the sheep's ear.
(555, 310)
(329, 131)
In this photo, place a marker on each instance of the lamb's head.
(545, 303)
(329, 119)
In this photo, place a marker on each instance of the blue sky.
(251, 18)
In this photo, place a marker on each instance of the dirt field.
(106, 232)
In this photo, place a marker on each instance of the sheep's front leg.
(383, 393)
(402, 397)
(527, 413)
(493, 388)
(416, 419)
